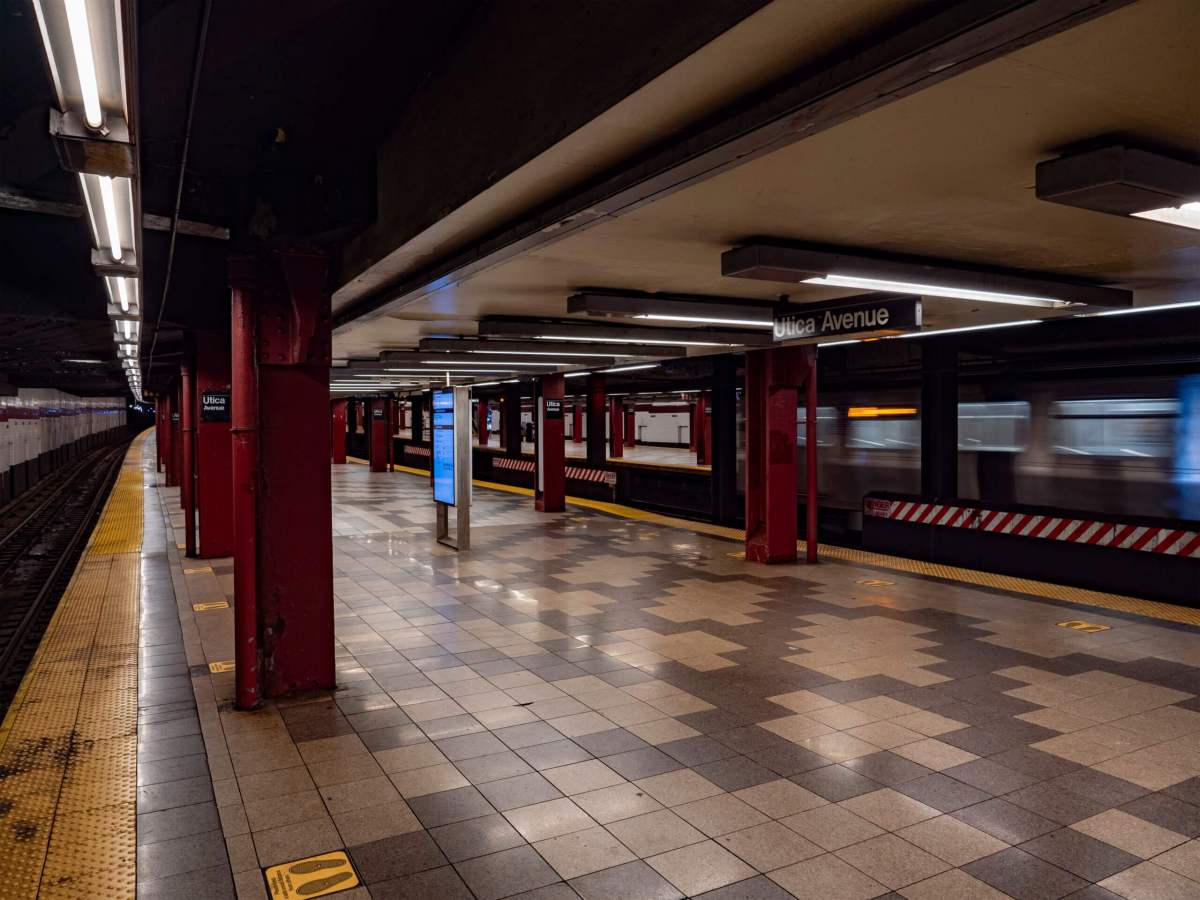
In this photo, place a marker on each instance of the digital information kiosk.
(451, 464)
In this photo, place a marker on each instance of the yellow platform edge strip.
(69, 739)
(1045, 590)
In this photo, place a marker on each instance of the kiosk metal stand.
(451, 464)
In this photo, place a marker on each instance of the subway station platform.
(596, 706)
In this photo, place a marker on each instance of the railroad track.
(42, 534)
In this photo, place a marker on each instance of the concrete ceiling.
(947, 172)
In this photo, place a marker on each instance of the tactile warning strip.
(68, 777)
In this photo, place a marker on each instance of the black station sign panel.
(851, 316)
(214, 406)
(552, 409)
(377, 412)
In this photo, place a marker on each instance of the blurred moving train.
(1125, 447)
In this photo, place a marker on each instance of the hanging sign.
(881, 315)
(553, 408)
(214, 406)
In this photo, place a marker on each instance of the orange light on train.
(878, 412)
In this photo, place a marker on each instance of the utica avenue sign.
(885, 315)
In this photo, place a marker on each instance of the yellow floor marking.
(205, 607)
(316, 876)
(1151, 609)
(874, 582)
(1089, 627)
(221, 665)
(68, 744)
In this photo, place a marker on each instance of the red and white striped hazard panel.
(1147, 538)
(517, 465)
(416, 451)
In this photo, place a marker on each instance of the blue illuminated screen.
(443, 447)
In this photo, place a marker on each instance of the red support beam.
(482, 415)
(597, 412)
(577, 423)
(244, 430)
(772, 381)
(706, 428)
(812, 500)
(616, 422)
(214, 459)
(694, 426)
(702, 442)
(282, 299)
(630, 427)
(377, 440)
(550, 486)
(337, 430)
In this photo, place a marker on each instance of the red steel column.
(706, 428)
(597, 412)
(772, 379)
(703, 445)
(177, 438)
(481, 412)
(812, 503)
(550, 453)
(337, 430)
(295, 545)
(616, 422)
(378, 437)
(187, 393)
(159, 429)
(693, 426)
(172, 455)
(631, 426)
(577, 424)
(244, 430)
(214, 458)
(403, 407)
(393, 417)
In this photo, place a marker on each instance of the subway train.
(1119, 446)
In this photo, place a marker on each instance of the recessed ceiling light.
(933, 290)
(1187, 215)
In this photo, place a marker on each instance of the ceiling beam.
(950, 42)
(672, 308)
(19, 201)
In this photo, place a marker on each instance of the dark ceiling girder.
(10, 198)
(558, 348)
(516, 326)
(948, 43)
(794, 263)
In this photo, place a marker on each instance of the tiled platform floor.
(589, 706)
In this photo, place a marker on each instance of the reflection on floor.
(663, 456)
(628, 709)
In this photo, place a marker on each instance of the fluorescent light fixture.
(702, 320)
(632, 368)
(109, 203)
(492, 362)
(485, 384)
(576, 374)
(640, 340)
(127, 327)
(512, 381)
(921, 334)
(1187, 215)
(123, 294)
(1191, 304)
(85, 362)
(840, 343)
(459, 373)
(933, 290)
(85, 63)
(529, 353)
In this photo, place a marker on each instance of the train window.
(826, 426)
(883, 429)
(1114, 428)
(993, 427)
